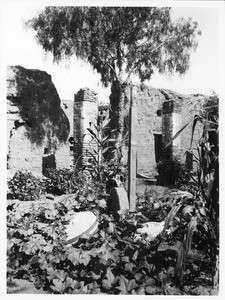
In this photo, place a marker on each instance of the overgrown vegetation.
(61, 181)
(182, 260)
(24, 186)
(151, 41)
(171, 171)
(113, 261)
(103, 167)
(203, 212)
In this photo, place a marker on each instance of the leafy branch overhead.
(118, 41)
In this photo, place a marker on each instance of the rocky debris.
(83, 224)
(26, 205)
(151, 229)
(117, 202)
(65, 198)
(182, 194)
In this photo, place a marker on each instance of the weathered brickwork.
(85, 116)
(41, 126)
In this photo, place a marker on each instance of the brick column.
(85, 115)
(171, 124)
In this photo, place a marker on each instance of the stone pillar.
(171, 124)
(85, 115)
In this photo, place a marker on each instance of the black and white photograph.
(110, 151)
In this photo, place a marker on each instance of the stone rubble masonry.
(85, 116)
(36, 124)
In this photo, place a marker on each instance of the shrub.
(24, 186)
(184, 175)
(171, 171)
(61, 181)
(188, 224)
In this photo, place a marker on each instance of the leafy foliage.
(204, 211)
(172, 171)
(183, 259)
(149, 41)
(102, 168)
(24, 186)
(61, 181)
(113, 261)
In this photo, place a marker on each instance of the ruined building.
(160, 115)
(46, 132)
(38, 128)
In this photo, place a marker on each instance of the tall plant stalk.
(205, 207)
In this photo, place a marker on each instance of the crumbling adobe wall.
(149, 124)
(185, 107)
(36, 124)
(191, 105)
(150, 127)
(68, 108)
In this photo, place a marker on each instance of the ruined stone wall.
(171, 124)
(68, 107)
(36, 124)
(155, 128)
(85, 116)
(191, 105)
(149, 124)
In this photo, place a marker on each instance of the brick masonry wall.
(85, 115)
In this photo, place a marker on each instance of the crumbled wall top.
(32, 94)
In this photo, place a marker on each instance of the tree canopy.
(118, 41)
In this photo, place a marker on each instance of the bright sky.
(20, 48)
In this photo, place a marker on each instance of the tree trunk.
(119, 114)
